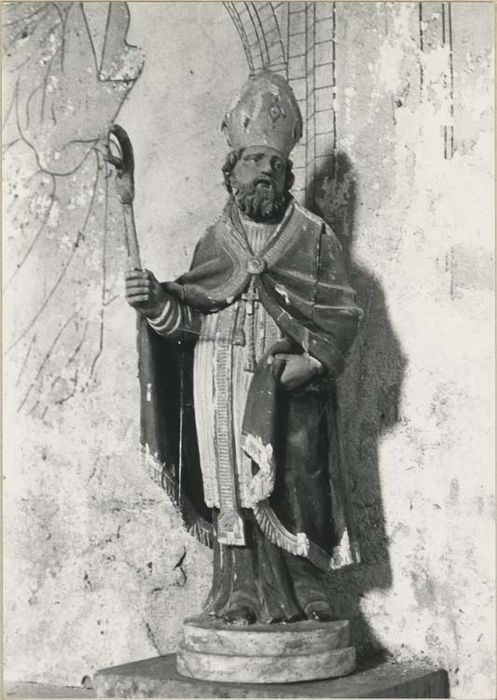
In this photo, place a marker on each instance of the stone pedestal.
(277, 653)
(158, 678)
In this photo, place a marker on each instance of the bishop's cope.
(238, 365)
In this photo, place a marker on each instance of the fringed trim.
(345, 555)
(300, 545)
(194, 523)
(159, 474)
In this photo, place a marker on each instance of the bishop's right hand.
(144, 293)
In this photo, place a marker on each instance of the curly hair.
(234, 156)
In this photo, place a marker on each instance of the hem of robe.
(194, 523)
(343, 554)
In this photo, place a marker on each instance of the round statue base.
(276, 653)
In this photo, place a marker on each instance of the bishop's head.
(262, 126)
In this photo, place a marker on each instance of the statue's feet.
(240, 617)
(319, 610)
(284, 619)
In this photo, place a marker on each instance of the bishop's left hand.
(293, 370)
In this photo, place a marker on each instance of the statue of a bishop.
(239, 360)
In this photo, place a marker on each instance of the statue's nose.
(266, 168)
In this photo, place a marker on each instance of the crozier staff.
(239, 359)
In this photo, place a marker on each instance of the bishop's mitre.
(264, 113)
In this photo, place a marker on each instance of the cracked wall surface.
(398, 157)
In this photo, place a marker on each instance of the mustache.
(251, 187)
(264, 180)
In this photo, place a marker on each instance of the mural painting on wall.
(68, 71)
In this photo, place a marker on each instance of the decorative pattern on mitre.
(264, 113)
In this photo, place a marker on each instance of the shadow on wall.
(370, 392)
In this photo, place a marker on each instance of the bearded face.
(259, 200)
(259, 182)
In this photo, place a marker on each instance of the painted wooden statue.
(238, 363)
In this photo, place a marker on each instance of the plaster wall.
(97, 568)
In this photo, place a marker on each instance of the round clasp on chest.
(256, 265)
